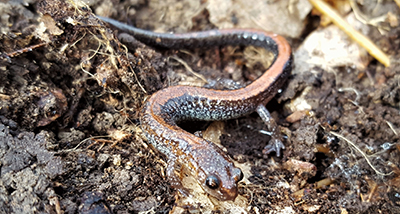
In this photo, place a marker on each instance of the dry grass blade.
(351, 32)
(397, 2)
(362, 153)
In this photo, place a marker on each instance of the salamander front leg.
(174, 178)
(275, 144)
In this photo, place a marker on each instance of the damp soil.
(71, 89)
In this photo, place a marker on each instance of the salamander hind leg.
(275, 144)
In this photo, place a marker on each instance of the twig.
(391, 127)
(355, 102)
(318, 185)
(361, 152)
(366, 20)
(83, 141)
(397, 2)
(189, 68)
(351, 32)
(24, 50)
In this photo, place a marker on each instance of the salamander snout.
(222, 187)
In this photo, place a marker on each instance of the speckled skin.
(170, 105)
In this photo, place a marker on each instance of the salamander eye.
(212, 182)
(238, 175)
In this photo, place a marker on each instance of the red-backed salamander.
(212, 168)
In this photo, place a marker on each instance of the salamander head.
(219, 178)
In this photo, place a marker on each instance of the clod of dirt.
(94, 202)
(27, 169)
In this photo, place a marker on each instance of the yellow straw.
(350, 31)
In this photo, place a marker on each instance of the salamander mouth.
(224, 195)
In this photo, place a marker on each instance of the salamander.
(211, 167)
